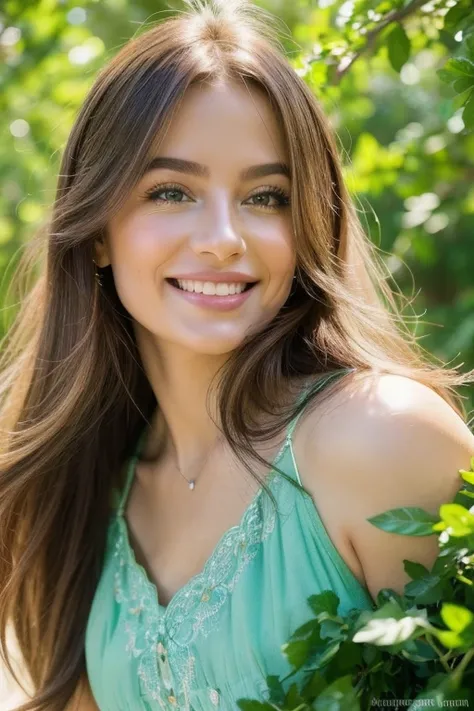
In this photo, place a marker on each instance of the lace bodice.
(193, 610)
(222, 632)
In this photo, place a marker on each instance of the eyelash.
(272, 190)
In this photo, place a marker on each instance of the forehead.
(225, 120)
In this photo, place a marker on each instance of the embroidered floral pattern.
(161, 638)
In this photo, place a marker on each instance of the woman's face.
(214, 219)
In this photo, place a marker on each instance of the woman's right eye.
(170, 190)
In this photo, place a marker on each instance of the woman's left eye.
(280, 195)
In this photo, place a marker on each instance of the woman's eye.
(281, 197)
(169, 191)
(173, 193)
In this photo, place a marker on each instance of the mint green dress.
(221, 633)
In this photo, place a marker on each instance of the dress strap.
(318, 385)
(131, 464)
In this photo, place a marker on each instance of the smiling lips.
(210, 288)
(222, 296)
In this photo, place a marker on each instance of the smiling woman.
(207, 287)
(218, 216)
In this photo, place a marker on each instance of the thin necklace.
(192, 482)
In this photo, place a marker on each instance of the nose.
(219, 234)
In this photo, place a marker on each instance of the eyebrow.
(201, 171)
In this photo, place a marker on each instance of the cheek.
(140, 245)
(279, 257)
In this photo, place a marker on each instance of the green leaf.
(326, 601)
(468, 43)
(460, 99)
(338, 696)
(455, 15)
(390, 604)
(330, 629)
(348, 657)
(293, 697)
(450, 639)
(405, 521)
(320, 657)
(416, 650)
(315, 685)
(461, 84)
(399, 47)
(296, 652)
(426, 590)
(307, 628)
(467, 476)
(465, 492)
(459, 72)
(457, 519)
(415, 570)
(455, 617)
(369, 654)
(275, 687)
(249, 705)
(468, 118)
(445, 564)
(460, 66)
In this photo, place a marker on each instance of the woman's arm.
(388, 442)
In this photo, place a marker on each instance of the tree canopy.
(396, 78)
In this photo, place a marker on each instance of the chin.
(215, 342)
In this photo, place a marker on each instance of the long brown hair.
(74, 392)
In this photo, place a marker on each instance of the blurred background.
(396, 78)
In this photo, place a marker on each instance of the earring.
(97, 275)
(293, 287)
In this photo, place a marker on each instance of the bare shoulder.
(385, 441)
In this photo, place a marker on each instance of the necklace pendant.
(191, 484)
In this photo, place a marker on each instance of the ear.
(101, 252)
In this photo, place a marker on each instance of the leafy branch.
(349, 662)
(367, 27)
(391, 17)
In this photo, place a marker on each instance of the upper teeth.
(209, 287)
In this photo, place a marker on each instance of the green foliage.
(459, 71)
(394, 76)
(408, 521)
(389, 75)
(399, 47)
(411, 647)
